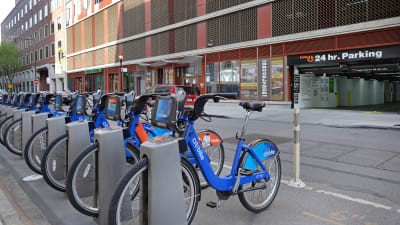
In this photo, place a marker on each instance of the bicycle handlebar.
(202, 100)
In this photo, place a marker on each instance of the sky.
(5, 9)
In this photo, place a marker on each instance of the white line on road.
(362, 201)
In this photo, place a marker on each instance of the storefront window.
(128, 82)
(248, 79)
(71, 84)
(114, 82)
(212, 78)
(94, 82)
(229, 77)
(277, 78)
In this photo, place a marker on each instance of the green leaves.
(9, 58)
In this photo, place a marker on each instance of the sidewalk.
(16, 208)
(326, 117)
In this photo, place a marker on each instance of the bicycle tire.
(72, 176)
(3, 125)
(219, 163)
(270, 198)
(29, 159)
(140, 167)
(46, 168)
(11, 147)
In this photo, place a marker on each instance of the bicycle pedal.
(247, 172)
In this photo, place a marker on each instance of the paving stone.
(327, 151)
(366, 157)
(392, 164)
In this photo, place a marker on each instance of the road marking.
(308, 188)
(372, 112)
(362, 201)
(321, 218)
(285, 181)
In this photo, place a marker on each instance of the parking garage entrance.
(368, 78)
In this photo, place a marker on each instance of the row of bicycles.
(255, 171)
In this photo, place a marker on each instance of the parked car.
(191, 94)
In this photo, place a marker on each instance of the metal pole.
(296, 182)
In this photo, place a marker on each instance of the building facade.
(33, 25)
(271, 50)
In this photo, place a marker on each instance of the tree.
(9, 59)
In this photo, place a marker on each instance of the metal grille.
(133, 17)
(159, 13)
(248, 28)
(112, 54)
(99, 28)
(229, 55)
(370, 38)
(215, 5)
(186, 38)
(184, 10)
(155, 45)
(310, 45)
(78, 61)
(230, 31)
(304, 15)
(248, 53)
(212, 57)
(277, 49)
(213, 29)
(112, 23)
(263, 51)
(282, 17)
(88, 59)
(70, 63)
(164, 43)
(351, 11)
(99, 57)
(78, 36)
(134, 49)
(380, 9)
(69, 41)
(88, 33)
(326, 13)
(180, 39)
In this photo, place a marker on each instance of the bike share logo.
(105, 124)
(197, 146)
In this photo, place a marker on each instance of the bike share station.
(163, 155)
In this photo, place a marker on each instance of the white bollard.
(296, 182)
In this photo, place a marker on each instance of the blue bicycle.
(254, 177)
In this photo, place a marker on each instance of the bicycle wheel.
(81, 179)
(35, 148)
(54, 163)
(13, 137)
(257, 200)
(123, 211)
(4, 124)
(213, 145)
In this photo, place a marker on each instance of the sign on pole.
(124, 70)
(35, 82)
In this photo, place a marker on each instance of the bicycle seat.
(253, 106)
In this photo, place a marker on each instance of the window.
(26, 25)
(35, 19)
(78, 8)
(97, 1)
(51, 5)
(58, 23)
(68, 17)
(22, 28)
(58, 3)
(40, 34)
(15, 19)
(86, 3)
(36, 56)
(46, 10)
(35, 36)
(40, 53)
(59, 44)
(52, 27)
(26, 8)
(46, 51)
(22, 13)
(26, 43)
(18, 16)
(30, 4)
(40, 15)
(27, 59)
(32, 57)
(229, 77)
(34, 2)
(12, 23)
(46, 31)
(53, 49)
(30, 22)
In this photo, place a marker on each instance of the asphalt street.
(352, 174)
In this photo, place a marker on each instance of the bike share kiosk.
(27, 120)
(164, 201)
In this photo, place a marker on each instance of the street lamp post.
(121, 57)
(34, 50)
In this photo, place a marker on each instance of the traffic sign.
(35, 82)
(10, 86)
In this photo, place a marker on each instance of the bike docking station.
(78, 140)
(111, 166)
(38, 121)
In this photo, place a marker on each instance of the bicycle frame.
(225, 183)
